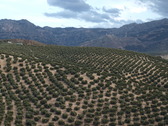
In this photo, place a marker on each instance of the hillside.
(81, 86)
(150, 37)
(112, 41)
(21, 42)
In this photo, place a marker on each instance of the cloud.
(158, 6)
(95, 17)
(90, 16)
(62, 14)
(72, 5)
(114, 11)
(79, 9)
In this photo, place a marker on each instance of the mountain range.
(150, 37)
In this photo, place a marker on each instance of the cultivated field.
(80, 86)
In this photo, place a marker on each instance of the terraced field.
(80, 86)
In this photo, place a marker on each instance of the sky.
(84, 13)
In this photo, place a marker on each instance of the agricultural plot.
(74, 86)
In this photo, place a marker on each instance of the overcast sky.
(84, 13)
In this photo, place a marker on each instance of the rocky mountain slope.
(112, 41)
(150, 37)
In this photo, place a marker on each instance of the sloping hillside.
(22, 42)
(79, 86)
(112, 41)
